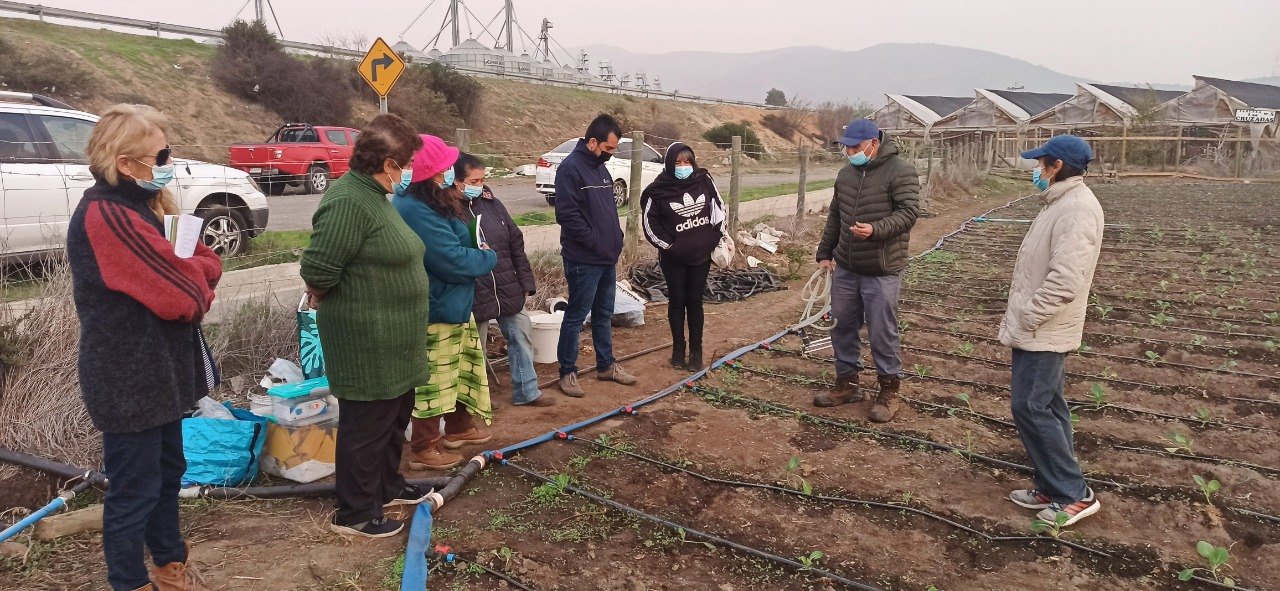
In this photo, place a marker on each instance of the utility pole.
(260, 10)
(453, 18)
(511, 21)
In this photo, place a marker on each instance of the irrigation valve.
(630, 411)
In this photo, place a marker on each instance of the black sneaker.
(411, 495)
(382, 527)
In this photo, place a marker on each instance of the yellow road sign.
(381, 67)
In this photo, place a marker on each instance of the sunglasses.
(162, 157)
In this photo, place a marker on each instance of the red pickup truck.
(297, 154)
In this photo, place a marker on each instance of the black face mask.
(603, 157)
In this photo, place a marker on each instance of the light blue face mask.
(684, 172)
(448, 179)
(859, 159)
(472, 191)
(401, 188)
(1040, 183)
(160, 176)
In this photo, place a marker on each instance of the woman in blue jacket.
(458, 388)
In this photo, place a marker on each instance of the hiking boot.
(695, 358)
(382, 527)
(472, 436)
(177, 576)
(887, 403)
(1076, 511)
(1033, 499)
(569, 385)
(845, 390)
(615, 373)
(677, 355)
(540, 401)
(434, 458)
(411, 495)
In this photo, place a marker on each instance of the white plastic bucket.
(545, 336)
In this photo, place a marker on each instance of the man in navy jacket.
(590, 242)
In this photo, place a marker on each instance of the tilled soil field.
(1177, 378)
(736, 481)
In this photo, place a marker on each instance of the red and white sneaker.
(1030, 498)
(1077, 511)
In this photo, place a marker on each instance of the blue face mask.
(160, 176)
(472, 191)
(448, 179)
(859, 159)
(1040, 183)
(684, 172)
(402, 187)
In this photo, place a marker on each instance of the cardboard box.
(301, 454)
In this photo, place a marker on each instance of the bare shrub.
(249, 338)
(41, 412)
(958, 180)
(425, 109)
(790, 121)
(548, 274)
(830, 118)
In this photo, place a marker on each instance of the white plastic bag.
(208, 408)
(724, 253)
(628, 308)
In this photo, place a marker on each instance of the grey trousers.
(862, 299)
(1044, 423)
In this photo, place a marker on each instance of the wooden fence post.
(735, 188)
(633, 192)
(462, 140)
(804, 175)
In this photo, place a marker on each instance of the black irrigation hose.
(850, 426)
(585, 370)
(1205, 459)
(1252, 400)
(1090, 405)
(830, 499)
(1271, 518)
(1000, 363)
(98, 480)
(451, 558)
(695, 533)
(907, 398)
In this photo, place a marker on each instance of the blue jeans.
(591, 289)
(524, 380)
(873, 301)
(141, 509)
(1044, 424)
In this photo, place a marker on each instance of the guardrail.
(43, 12)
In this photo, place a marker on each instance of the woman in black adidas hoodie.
(684, 218)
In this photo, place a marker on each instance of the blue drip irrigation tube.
(630, 408)
(54, 505)
(414, 577)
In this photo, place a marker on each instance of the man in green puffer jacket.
(868, 229)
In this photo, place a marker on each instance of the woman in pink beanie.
(455, 257)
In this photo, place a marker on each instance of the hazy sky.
(1109, 40)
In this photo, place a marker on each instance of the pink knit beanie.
(433, 158)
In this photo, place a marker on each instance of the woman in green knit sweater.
(458, 387)
(364, 274)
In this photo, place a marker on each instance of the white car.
(619, 168)
(44, 173)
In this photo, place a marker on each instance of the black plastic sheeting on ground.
(722, 286)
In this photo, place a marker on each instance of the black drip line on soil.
(979, 294)
(855, 427)
(1002, 363)
(694, 533)
(842, 500)
(999, 311)
(1086, 405)
(1187, 329)
(442, 554)
(964, 453)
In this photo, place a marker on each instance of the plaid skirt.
(456, 359)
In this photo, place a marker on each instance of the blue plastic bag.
(223, 452)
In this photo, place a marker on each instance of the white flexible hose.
(816, 293)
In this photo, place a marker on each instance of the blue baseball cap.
(1067, 148)
(858, 131)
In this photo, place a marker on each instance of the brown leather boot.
(434, 457)
(178, 576)
(845, 390)
(887, 403)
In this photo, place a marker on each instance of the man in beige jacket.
(1044, 321)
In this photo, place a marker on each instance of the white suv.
(44, 173)
(619, 167)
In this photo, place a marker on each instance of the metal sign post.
(381, 67)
